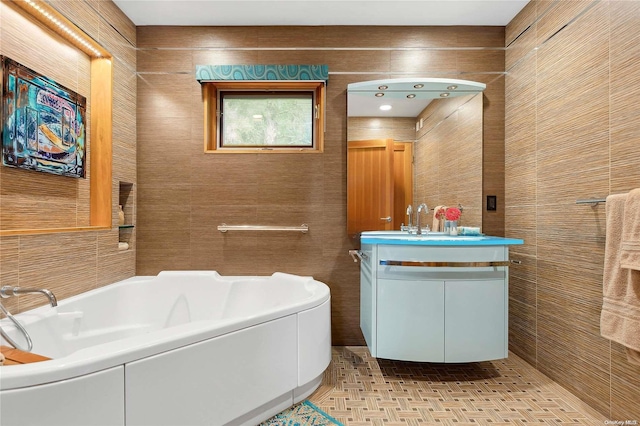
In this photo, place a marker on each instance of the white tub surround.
(191, 348)
(434, 298)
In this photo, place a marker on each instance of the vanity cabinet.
(431, 303)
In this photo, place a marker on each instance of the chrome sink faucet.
(421, 207)
(8, 291)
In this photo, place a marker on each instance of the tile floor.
(360, 390)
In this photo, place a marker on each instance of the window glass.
(274, 119)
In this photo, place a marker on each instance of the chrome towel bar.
(592, 201)
(223, 227)
(494, 263)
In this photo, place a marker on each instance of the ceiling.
(321, 12)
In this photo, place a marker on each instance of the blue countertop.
(398, 238)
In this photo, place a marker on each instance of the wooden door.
(370, 185)
(402, 182)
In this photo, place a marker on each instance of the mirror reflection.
(413, 141)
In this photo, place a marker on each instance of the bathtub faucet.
(8, 291)
(421, 207)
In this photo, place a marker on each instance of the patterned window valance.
(206, 73)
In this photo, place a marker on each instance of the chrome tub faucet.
(8, 291)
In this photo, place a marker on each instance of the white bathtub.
(181, 348)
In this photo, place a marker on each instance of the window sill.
(263, 151)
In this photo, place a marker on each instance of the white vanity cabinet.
(435, 303)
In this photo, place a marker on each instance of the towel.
(630, 256)
(620, 317)
(469, 230)
(438, 225)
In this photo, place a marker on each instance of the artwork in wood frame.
(43, 123)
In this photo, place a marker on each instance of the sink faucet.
(421, 207)
(8, 291)
(410, 215)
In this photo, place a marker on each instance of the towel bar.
(494, 263)
(223, 227)
(592, 201)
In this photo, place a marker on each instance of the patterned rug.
(303, 414)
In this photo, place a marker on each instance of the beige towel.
(620, 318)
(438, 225)
(630, 256)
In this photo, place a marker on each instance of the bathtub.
(180, 348)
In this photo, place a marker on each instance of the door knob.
(387, 219)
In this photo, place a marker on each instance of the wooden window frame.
(210, 92)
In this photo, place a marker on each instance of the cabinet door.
(410, 320)
(475, 320)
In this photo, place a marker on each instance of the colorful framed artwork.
(43, 123)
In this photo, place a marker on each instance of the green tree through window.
(273, 119)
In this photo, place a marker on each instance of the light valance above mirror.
(407, 97)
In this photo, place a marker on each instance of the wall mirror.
(413, 141)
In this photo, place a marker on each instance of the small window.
(257, 116)
(272, 119)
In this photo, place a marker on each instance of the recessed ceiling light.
(444, 95)
(385, 107)
(379, 95)
(452, 87)
(383, 87)
(418, 86)
(411, 96)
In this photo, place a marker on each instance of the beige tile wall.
(67, 263)
(572, 131)
(400, 129)
(184, 194)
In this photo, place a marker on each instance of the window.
(263, 116)
(272, 119)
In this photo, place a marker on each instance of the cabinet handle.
(358, 255)
(516, 262)
(387, 219)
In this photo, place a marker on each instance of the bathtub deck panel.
(91, 400)
(222, 376)
(314, 342)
